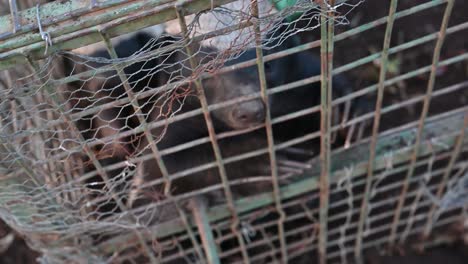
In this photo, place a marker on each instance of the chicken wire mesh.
(208, 138)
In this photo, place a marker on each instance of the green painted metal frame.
(73, 24)
(80, 25)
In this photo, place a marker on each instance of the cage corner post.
(326, 57)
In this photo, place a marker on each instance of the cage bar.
(326, 58)
(85, 31)
(180, 11)
(427, 101)
(203, 224)
(375, 129)
(269, 133)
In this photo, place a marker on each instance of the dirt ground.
(359, 46)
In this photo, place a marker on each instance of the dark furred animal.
(147, 74)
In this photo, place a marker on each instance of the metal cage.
(398, 177)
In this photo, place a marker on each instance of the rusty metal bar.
(312, 246)
(339, 37)
(424, 112)
(60, 12)
(211, 165)
(362, 169)
(375, 130)
(336, 217)
(412, 177)
(353, 95)
(204, 229)
(442, 183)
(133, 15)
(269, 132)
(446, 176)
(137, 109)
(357, 197)
(126, 25)
(326, 57)
(180, 12)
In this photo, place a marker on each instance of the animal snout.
(249, 113)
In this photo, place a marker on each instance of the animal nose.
(250, 112)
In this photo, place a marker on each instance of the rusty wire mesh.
(132, 150)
